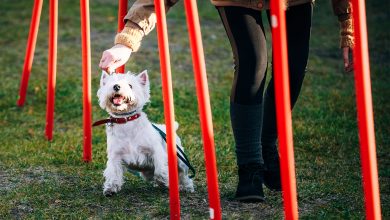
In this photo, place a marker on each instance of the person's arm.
(140, 21)
(343, 10)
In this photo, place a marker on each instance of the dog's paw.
(162, 181)
(110, 190)
(189, 187)
(108, 193)
(161, 177)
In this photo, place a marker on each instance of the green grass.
(40, 179)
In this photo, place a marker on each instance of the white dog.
(131, 137)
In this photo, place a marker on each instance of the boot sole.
(250, 199)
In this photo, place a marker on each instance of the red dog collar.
(112, 120)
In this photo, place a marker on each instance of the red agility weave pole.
(52, 68)
(28, 59)
(122, 11)
(165, 65)
(365, 113)
(86, 69)
(203, 106)
(283, 108)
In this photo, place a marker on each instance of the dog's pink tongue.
(117, 100)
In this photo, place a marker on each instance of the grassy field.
(40, 179)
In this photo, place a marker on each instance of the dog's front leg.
(113, 175)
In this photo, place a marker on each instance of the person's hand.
(114, 58)
(348, 63)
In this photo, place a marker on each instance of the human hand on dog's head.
(114, 58)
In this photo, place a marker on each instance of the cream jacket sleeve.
(140, 21)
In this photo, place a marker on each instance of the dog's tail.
(176, 125)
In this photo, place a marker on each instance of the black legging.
(245, 31)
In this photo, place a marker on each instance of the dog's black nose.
(116, 87)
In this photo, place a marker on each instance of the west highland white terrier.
(131, 138)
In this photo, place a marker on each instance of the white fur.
(136, 143)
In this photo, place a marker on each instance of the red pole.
(365, 113)
(283, 110)
(204, 106)
(52, 68)
(28, 59)
(169, 114)
(86, 59)
(122, 11)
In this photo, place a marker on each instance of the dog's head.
(121, 93)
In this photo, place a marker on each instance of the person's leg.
(245, 31)
(298, 20)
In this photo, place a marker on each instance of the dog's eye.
(130, 86)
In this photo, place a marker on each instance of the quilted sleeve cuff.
(346, 34)
(131, 36)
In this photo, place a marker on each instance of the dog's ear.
(103, 78)
(143, 77)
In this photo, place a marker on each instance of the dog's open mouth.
(118, 100)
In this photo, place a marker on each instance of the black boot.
(250, 184)
(247, 121)
(272, 168)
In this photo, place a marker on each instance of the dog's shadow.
(135, 186)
